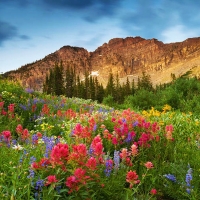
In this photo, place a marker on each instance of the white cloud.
(178, 33)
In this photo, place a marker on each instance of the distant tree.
(51, 82)
(79, 88)
(127, 87)
(144, 82)
(92, 88)
(110, 88)
(99, 91)
(70, 82)
(58, 79)
(118, 91)
(133, 87)
(86, 85)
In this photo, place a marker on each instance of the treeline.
(60, 82)
(181, 93)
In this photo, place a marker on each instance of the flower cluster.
(132, 178)
(188, 179)
(76, 180)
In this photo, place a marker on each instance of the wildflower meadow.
(54, 147)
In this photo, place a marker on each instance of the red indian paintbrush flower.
(51, 179)
(72, 183)
(134, 150)
(19, 129)
(148, 165)
(91, 163)
(59, 154)
(6, 135)
(153, 191)
(132, 178)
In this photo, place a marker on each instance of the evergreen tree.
(70, 81)
(58, 79)
(45, 85)
(145, 82)
(127, 88)
(51, 82)
(99, 91)
(86, 85)
(79, 88)
(133, 87)
(117, 94)
(110, 88)
(92, 88)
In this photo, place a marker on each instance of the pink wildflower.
(72, 183)
(59, 154)
(124, 153)
(51, 179)
(134, 150)
(19, 129)
(169, 129)
(132, 178)
(153, 191)
(91, 163)
(148, 165)
(7, 135)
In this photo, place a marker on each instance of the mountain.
(128, 57)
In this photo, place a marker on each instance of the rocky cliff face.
(128, 57)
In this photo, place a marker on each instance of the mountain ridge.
(127, 57)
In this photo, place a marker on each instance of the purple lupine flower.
(23, 107)
(129, 138)
(116, 159)
(188, 179)
(39, 184)
(34, 139)
(171, 177)
(14, 142)
(100, 109)
(49, 141)
(31, 173)
(95, 127)
(29, 90)
(32, 159)
(135, 123)
(35, 101)
(109, 166)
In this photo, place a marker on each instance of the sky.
(32, 29)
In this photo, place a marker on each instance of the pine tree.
(92, 88)
(70, 81)
(51, 82)
(100, 94)
(145, 82)
(133, 87)
(117, 94)
(59, 81)
(86, 86)
(110, 88)
(79, 88)
(127, 87)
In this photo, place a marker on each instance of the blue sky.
(32, 29)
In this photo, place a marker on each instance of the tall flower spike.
(109, 165)
(116, 159)
(188, 179)
(171, 177)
